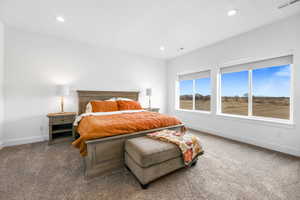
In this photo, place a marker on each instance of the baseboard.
(26, 140)
(270, 146)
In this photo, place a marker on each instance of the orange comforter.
(92, 127)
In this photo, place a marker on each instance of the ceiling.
(142, 26)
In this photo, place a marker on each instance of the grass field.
(199, 104)
(275, 107)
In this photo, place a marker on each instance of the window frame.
(250, 99)
(177, 93)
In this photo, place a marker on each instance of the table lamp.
(62, 91)
(149, 93)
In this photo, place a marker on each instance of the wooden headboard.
(84, 97)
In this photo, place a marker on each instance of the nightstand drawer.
(62, 120)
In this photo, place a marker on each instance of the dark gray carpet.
(228, 170)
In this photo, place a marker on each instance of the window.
(202, 94)
(195, 91)
(186, 94)
(235, 93)
(271, 92)
(259, 89)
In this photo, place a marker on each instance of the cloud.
(284, 72)
(273, 87)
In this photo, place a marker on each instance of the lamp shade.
(62, 90)
(148, 92)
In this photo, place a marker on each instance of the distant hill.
(197, 97)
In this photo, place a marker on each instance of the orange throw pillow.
(104, 106)
(129, 105)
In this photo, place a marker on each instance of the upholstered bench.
(149, 159)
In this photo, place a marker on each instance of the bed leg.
(127, 168)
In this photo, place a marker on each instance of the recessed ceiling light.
(60, 19)
(232, 12)
(162, 48)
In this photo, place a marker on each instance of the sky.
(202, 86)
(272, 82)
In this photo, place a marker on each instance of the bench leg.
(194, 163)
(144, 186)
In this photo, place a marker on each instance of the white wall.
(268, 41)
(35, 63)
(1, 82)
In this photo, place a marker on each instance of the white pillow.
(118, 99)
(123, 99)
(112, 99)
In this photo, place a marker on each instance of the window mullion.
(291, 93)
(194, 94)
(219, 94)
(250, 93)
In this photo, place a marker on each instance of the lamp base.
(149, 105)
(62, 105)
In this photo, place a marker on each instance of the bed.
(106, 154)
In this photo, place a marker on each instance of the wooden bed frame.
(107, 154)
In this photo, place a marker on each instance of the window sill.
(265, 120)
(193, 111)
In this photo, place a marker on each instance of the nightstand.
(60, 125)
(152, 109)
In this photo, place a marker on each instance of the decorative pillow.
(129, 105)
(88, 108)
(104, 106)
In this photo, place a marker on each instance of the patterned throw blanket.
(188, 144)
